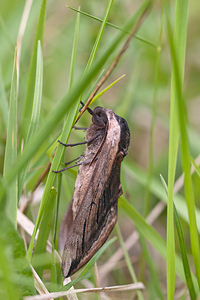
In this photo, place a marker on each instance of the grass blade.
(11, 148)
(107, 88)
(197, 169)
(99, 36)
(180, 33)
(111, 25)
(37, 101)
(184, 256)
(183, 248)
(74, 52)
(181, 109)
(54, 233)
(173, 151)
(3, 102)
(127, 259)
(154, 115)
(154, 280)
(45, 225)
(28, 105)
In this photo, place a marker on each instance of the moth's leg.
(64, 169)
(82, 143)
(86, 162)
(76, 159)
(72, 145)
(80, 128)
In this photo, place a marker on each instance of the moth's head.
(103, 118)
(99, 117)
(125, 135)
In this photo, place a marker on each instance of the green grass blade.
(181, 109)
(56, 213)
(45, 225)
(152, 236)
(59, 112)
(28, 105)
(127, 259)
(74, 52)
(154, 115)
(98, 39)
(154, 279)
(111, 25)
(11, 148)
(180, 33)
(99, 36)
(197, 168)
(37, 99)
(107, 88)
(54, 233)
(184, 256)
(173, 151)
(3, 102)
(183, 248)
(3, 192)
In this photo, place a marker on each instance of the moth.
(92, 212)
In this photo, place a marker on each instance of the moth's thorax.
(104, 159)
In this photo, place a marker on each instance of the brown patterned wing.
(94, 222)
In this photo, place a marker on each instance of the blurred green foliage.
(131, 98)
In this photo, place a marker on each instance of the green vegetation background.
(159, 98)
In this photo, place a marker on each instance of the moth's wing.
(94, 222)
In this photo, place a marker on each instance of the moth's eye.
(98, 111)
(99, 117)
(99, 114)
(102, 116)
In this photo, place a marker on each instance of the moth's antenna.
(88, 109)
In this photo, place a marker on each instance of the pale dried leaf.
(116, 288)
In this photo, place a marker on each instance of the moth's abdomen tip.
(66, 263)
